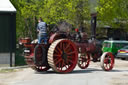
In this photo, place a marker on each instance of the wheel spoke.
(67, 46)
(56, 51)
(59, 60)
(56, 59)
(62, 63)
(57, 55)
(70, 53)
(70, 61)
(59, 49)
(59, 66)
(68, 50)
(66, 66)
(69, 56)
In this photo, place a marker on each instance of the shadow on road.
(118, 71)
(81, 71)
(88, 70)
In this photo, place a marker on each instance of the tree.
(113, 12)
(74, 12)
(26, 17)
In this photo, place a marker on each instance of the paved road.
(93, 75)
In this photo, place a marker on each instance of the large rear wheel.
(62, 55)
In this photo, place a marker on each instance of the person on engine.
(42, 31)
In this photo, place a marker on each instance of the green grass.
(8, 70)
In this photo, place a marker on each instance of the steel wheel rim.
(83, 61)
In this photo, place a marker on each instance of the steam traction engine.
(63, 52)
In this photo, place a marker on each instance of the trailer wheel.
(83, 60)
(62, 55)
(107, 61)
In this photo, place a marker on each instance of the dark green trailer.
(7, 32)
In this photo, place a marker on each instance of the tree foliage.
(113, 12)
(75, 12)
(52, 11)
